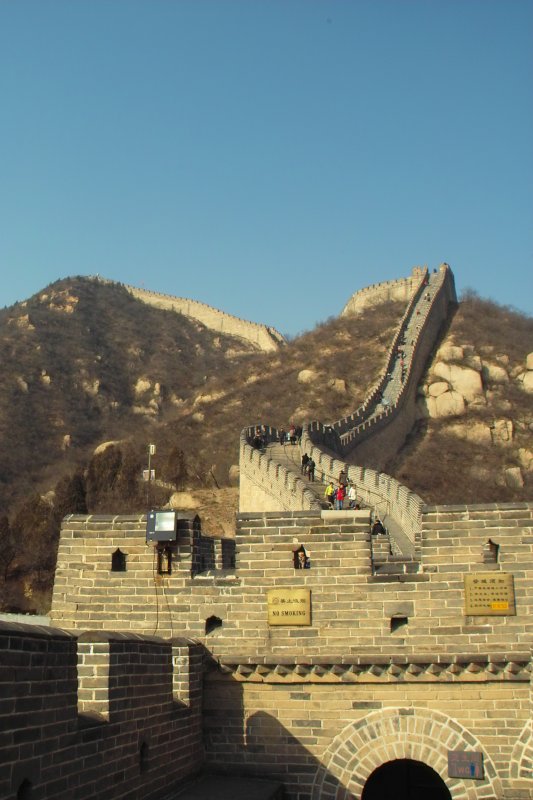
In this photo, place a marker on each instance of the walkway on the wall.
(331, 445)
(396, 378)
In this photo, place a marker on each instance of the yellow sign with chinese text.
(289, 606)
(489, 594)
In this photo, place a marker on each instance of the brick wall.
(352, 606)
(324, 738)
(105, 717)
(321, 706)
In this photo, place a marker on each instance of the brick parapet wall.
(267, 486)
(352, 607)
(363, 423)
(377, 440)
(346, 425)
(443, 682)
(264, 337)
(132, 740)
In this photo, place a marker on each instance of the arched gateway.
(405, 744)
(405, 779)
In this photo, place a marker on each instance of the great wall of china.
(392, 666)
(262, 337)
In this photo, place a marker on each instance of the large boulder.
(502, 431)
(527, 381)
(513, 478)
(338, 385)
(450, 352)
(464, 380)
(525, 457)
(449, 404)
(474, 362)
(494, 373)
(307, 376)
(438, 388)
(529, 361)
(104, 445)
(142, 385)
(233, 475)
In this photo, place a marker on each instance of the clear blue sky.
(269, 157)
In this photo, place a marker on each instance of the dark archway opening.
(405, 779)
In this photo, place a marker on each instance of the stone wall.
(107, 716)
(264, 337)
(377, 293)
(375, 443)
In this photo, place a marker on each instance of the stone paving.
(223, 787)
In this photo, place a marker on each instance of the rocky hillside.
(83, 361)
(474, 439)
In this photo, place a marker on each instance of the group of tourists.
(293, 436)
(336, 497)
(345, 492)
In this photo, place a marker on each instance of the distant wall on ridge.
(400, 289)
(263, 337)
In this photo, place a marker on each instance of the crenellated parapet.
(266, 485)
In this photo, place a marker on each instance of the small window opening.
(301, 558)
(212, 623)
(118, 561)
(143, 757)
(398, 622)
(490, 552)
(24, 792)
(164, 560)
(228, 554)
